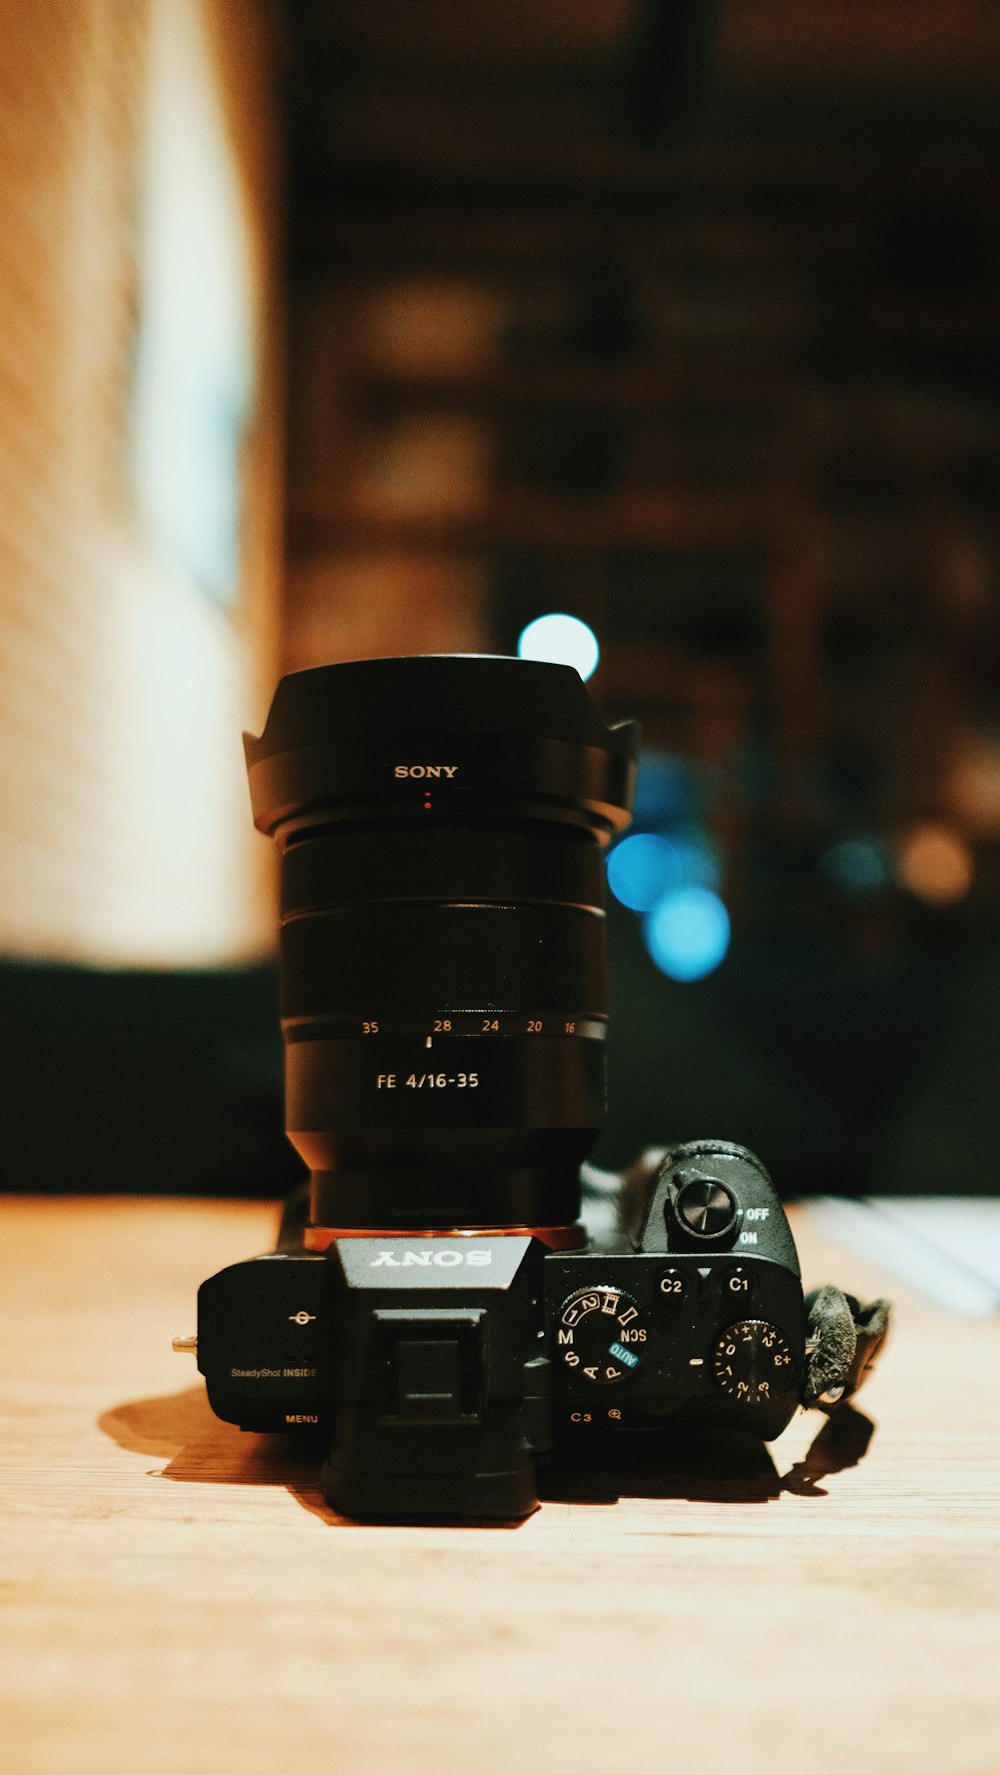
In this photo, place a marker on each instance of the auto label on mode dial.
(600, 1335)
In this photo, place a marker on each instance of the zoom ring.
(416, 958)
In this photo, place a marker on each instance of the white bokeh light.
(563, 641)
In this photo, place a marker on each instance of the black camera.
(459, 1298)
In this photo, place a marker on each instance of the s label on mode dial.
(600, 1335)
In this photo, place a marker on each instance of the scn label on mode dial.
(600, 1336)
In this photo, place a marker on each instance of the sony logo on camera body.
(446, 1259)
(426, 770)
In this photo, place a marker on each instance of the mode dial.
(752, 1362)
(600, 1335)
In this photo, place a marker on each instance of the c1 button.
(737, 1283)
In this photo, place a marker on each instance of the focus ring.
(436, 861)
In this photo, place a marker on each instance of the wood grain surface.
(176, 1597)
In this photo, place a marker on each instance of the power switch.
(430, 1367)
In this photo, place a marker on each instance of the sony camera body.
(442, 1370)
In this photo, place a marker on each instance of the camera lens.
(443, 961)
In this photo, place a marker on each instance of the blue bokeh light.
(856, 865)
(666, 789)
(687, 933)
(563, 641)
(642, 869)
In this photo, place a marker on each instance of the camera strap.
(843, 1343)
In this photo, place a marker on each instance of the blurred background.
(331, 329)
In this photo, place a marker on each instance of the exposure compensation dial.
(752, 1362)
(601, 1335)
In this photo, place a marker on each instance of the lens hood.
(491, 735)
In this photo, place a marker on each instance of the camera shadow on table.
(709, 1465)
(197, 1448)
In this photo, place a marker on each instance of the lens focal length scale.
(448, 1024)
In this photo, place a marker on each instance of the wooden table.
(176, 1597)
